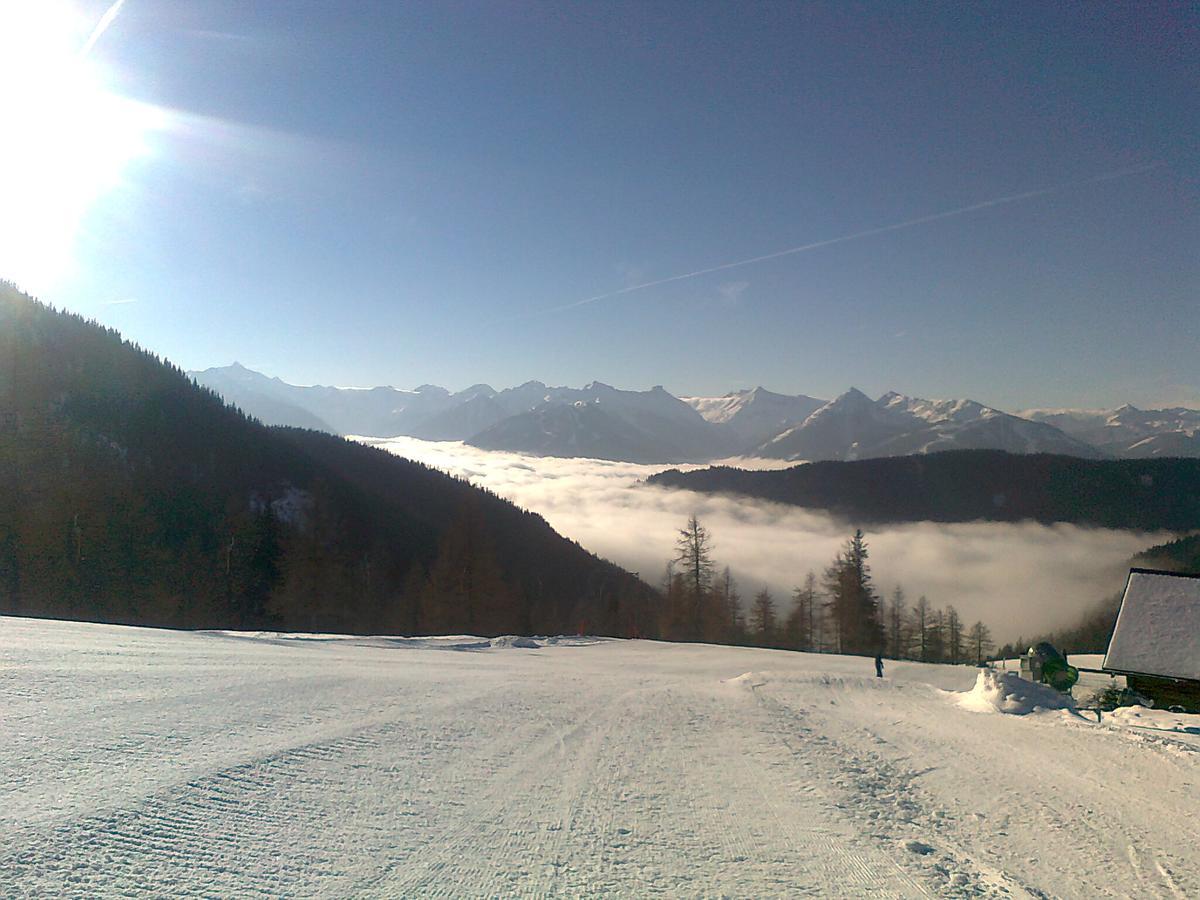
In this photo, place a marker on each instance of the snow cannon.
(1043, 663)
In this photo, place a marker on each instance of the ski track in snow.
(142, 762)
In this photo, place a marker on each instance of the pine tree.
(920, 629)
(694, 556)
(729, 603)
(853, 604)
(675, 622)
(980, 640)
(897, 609)
(817, 620)
(762, 618)
(935, 639)
(799, 620)
(954, 636)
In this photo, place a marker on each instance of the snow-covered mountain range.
(853, 426)
(1128, 431)
(655, 426)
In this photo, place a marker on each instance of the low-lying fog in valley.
(1019, 579)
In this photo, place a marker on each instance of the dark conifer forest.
(128, 494)
(975, 485)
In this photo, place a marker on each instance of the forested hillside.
(969, 485)
(128, 494)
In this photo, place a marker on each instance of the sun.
(65, 139)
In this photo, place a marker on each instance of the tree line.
(839, 611)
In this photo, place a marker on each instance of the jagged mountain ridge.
(655, 426)
(853, 426)
(602, 422)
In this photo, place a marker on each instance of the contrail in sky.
(858, 235)
(107, 19)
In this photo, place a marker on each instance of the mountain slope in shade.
(656, 412)
(524, 397)
(572, 430)
(755, 416)
(1171, 443)
(850, 426)
(602, 422)
(377, 412)
(276, 411)
(130, 494)
(460, 422)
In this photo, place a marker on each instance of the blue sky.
(377, 192)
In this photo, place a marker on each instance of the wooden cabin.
(1156, 642)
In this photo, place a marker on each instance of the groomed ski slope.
(166, 763)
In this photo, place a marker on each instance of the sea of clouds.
(1017, 578)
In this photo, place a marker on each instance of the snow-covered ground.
(217, 764)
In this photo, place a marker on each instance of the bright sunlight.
(68, 137)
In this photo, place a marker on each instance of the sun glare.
(66, 140)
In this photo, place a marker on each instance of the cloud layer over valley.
(1019, 579)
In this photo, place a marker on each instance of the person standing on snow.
(878, 665)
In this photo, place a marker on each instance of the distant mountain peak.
(852, 396)
(761, 393)
(431, 389)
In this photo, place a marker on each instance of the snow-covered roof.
(1158, 627)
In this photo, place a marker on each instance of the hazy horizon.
(683, 394)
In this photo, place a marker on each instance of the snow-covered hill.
(143, 762)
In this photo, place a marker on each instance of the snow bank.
(1008, 692)
(747, 680)
(574, 640)
(432, 642)
(1154, 719)
(515, 640)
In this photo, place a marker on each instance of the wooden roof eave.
(1159, 675)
